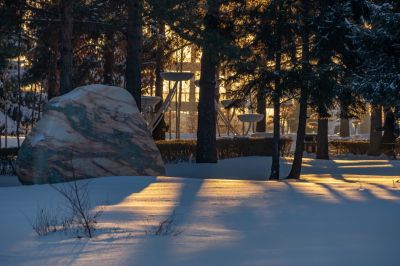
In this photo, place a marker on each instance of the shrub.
(357, 147)
(76, 194)
(7, 161)
(44, 222)
(177, 150)
(185, 150)
(81, 218)
(8, 153)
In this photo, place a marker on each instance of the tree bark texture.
(67, 27)
(134, 50)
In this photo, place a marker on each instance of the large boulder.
(93, 131)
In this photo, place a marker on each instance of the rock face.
(92, 131)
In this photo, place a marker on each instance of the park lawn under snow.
(342, 212)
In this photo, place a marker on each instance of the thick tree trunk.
(323, 114)
(108, 57)
(261, 109)
(304, 94)
(67, 26)
(159, 131)
(134, 50)
(276, 98)
(389, 134)
(277, 136)
(206, 151)
(301, 133)
(322, 139)
(344, 128)
(375, 137)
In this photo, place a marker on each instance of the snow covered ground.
(342, 212)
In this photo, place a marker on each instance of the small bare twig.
(45, 222)
(77, 195)
(166, 227)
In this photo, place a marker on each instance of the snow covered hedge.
(359, 147)
(185, 150)
(349, 146)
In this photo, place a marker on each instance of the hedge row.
(8, 153)
(358, 147)
(7, 161)
(185, 150)
(349, 146)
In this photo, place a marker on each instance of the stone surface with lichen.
(93, 131)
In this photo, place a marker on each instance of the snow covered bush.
(78, 216)
(185, 150)
(349, 146)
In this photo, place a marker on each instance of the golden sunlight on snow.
(246, 221)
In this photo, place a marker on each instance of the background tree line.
(325, 54)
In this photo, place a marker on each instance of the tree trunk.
(67, 27)
(277, 136)
(206, 150)
(34, 92)
(344, 128)
(19, 92)
(108, 57)
(322, 139)
(5, 121)
(261, 109)
(53, 90)
(304, 94)
(159, 131)
(276, 98)
(192, 90)
(301, 132)
(134, 50)
(389, 135)
(375, 137)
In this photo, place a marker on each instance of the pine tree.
(378, 77)
(330, 27)
(266, 69)
(305, 86)
(209, 25)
